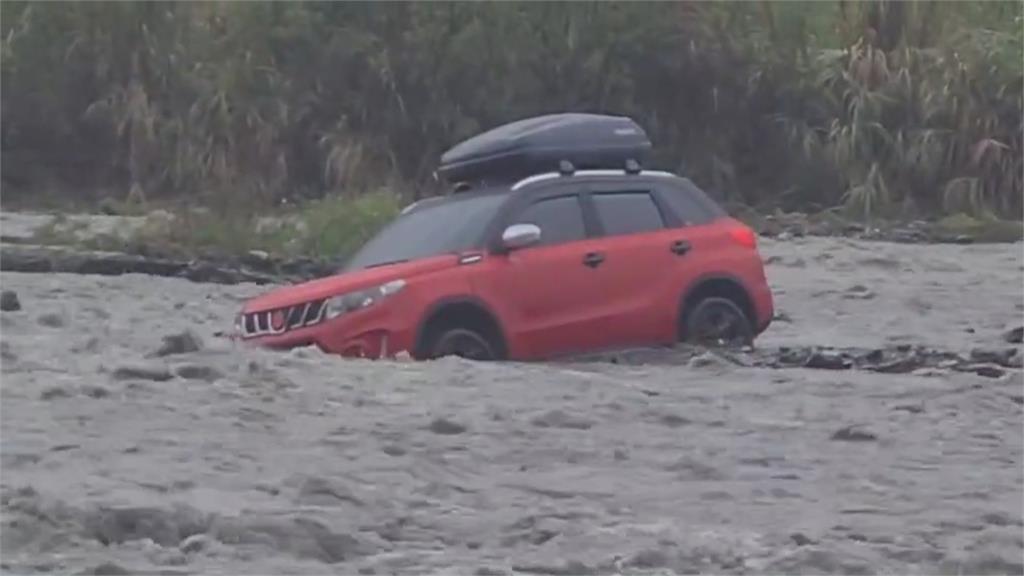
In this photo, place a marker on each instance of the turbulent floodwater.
(230, 460)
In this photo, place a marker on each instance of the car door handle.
(680, 247)
(593, 259)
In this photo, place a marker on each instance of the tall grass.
(885, 107)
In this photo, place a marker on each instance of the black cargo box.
(539, 144)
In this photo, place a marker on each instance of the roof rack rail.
(603, 172)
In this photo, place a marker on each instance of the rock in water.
(858, 292)
(95, 391)
(853, 434)
(648, 559)
(142, 372)
(782, 317)
(199, 372)
(706, 360)
(6, 353)
(828, 361)
(559, 419)
(999, 357)
(800, 539)
(986, 370)
(447, 427)
(317, 491)
(195, 543)
(182, 343)
(1015, 336)
(9, 301)
(108, 569)
(51, 320)
(54, 392)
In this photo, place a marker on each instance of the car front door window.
(560, 220)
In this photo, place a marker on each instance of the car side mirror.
(519, 236)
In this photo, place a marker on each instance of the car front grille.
(281, 320)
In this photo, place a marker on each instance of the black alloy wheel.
(462, 343)
(718, 322)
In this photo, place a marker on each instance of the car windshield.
(452, 225)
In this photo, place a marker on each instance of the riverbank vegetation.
(886, 109)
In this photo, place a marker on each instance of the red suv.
(550, 264)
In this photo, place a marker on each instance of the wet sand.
(235, 460)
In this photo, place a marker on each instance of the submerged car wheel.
(463, 343)
(718, 322)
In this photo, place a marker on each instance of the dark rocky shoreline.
(255, 268)
(829, 224)
(987, 362)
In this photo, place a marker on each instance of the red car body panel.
(379, 330)
(342, 283)
(552, 306)
(547, 304)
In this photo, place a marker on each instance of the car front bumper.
(372, 333)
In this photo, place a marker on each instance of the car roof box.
(542, 143)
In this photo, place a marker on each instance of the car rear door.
(645, 249)
(546, 294)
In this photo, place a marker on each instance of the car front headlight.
(351, 301)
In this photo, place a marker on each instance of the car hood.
(346, 282)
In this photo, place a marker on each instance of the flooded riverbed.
(233, 460)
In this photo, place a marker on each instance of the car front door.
(545, 293)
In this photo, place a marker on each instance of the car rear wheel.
(718, 322)
(461, 342)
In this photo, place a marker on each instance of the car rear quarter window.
(627, 212)
(560, 219)
(690, 203)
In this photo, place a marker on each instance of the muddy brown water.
(232, 460)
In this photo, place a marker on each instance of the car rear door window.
(627, 212)
(560, 219)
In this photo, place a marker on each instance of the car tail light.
(744, 236)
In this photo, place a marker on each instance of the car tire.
(461, 342)
(717, 322)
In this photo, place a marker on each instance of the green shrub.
(335, 227)
(980, 229)
(329, 229)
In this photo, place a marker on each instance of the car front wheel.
(461, 342)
